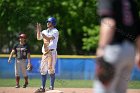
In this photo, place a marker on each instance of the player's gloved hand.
(29, 67)
(50, 70)
(104, 71)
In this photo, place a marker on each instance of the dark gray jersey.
(21, 51)
(125, 13)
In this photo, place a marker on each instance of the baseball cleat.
(25, 85)
(40, 90)
(51, 88)
(17, 86)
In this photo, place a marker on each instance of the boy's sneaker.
(51, 88)
(17, 86)
(40, 90)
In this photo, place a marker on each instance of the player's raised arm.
(38, 30)
(48, 37)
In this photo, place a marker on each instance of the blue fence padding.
(135, 73)
(79, 68)
(66, 68)
(6, 70)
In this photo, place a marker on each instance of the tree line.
(77, 22)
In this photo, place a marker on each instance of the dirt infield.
(64, 90)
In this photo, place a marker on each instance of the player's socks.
(52, 79)
(44, 77)
(17, 80)
(26, 79)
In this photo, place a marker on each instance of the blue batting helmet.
(52, 20)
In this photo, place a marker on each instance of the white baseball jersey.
(49, 33)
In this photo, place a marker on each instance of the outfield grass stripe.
(61, 83)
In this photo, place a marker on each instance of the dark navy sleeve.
(14, 47)
(105, 8)
(28, 49)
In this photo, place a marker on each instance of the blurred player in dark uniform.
(22, 52)
(119, 33)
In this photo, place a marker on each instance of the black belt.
(21, 58)
(48, 51)
(51, 49)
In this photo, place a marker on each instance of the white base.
(54, 91)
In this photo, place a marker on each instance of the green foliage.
(72, 16)
(91, 38)
(77, 22)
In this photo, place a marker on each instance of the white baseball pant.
(44, 62)
(122, 56)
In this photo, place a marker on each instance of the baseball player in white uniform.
(49, 49)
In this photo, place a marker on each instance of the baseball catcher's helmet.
(23, 36)
(52, 20)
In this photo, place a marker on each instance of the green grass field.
(61, 83)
